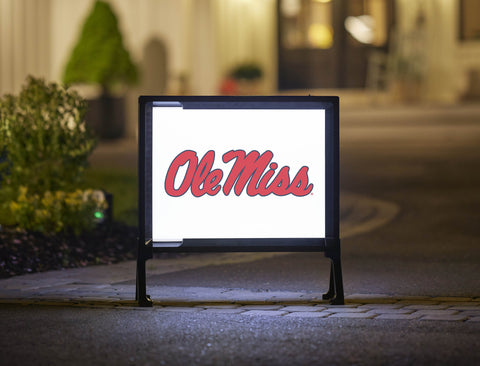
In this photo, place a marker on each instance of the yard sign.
(238, 174)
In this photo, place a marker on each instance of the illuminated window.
(327, 43)
(306, 24)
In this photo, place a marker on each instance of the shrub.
(57, 211)
(44, 149)
(44, 138)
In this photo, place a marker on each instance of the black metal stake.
(141, 291)
(338, 281)
(335, 289)
(331, 288)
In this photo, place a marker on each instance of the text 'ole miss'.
(253, 170)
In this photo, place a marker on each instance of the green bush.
(44, 147)
(57, 211)
(44, 138)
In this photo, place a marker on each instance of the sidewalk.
(105, 286)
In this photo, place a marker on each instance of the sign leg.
(331, 288)
(141, 290)
(336, 270)
(335, 290)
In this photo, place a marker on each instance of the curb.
(380, 307)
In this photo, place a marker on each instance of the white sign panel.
(237, 173)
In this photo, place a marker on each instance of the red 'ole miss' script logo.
(254, 170)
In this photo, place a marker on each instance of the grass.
(122, 183)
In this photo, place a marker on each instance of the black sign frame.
(330, 245)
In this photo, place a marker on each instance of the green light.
(99, 215)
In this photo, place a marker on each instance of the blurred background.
(370, 52)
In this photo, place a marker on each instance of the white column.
(246, 31)
(6, 46)
(440, 85)
(439, 31)
(43, 34)
(67, 18)
(24, 42)
(204, 78)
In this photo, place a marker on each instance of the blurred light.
(323, 1)
(290, 8)
(99, 215)
(103, 216)
(361, 28)
(320, 36)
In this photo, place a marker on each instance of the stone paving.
(359, 306)
(113, 287)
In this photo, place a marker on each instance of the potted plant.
(243, 79)
(100, 58)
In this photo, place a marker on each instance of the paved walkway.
(458, 309)
(112, 286)
(105, 286)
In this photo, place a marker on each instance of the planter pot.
(248, 87)
(106, 116)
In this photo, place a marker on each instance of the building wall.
(37, 36)
(203, 39)
(447, 61)
(25, 42)
(246, 31)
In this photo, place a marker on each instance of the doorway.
(327, 43)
